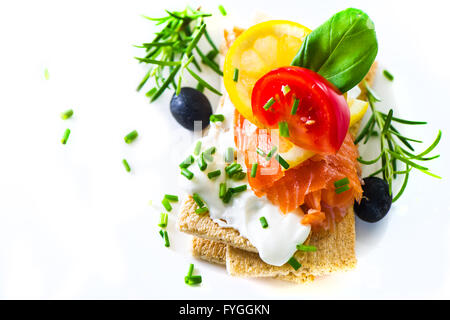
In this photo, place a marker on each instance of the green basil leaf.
(342, 49)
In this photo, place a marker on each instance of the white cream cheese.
(277, 243)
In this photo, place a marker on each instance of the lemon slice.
(259, 49)
(358, 109)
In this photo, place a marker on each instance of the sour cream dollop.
(277, 243)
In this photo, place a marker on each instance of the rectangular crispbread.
(335, 248)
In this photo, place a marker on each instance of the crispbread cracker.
(216, 252)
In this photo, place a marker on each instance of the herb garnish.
(171, 51)
(394, 146)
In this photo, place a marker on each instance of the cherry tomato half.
(322, 118)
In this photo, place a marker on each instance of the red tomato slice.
(322, 117)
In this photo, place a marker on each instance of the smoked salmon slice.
(309, 186)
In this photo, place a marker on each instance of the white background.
(75, 224)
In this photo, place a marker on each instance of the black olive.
(376, 200)
(189, 106)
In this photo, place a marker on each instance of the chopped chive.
(166, 204)
(236, 75)
(282, 162)
(65, 136)
(171, 197)
(197, 148)
(202, 163)
(342, 182)
(67, 114)
(241, 188)
(227, 197)
(264, 223)
(214, 174)
(285, 89)
(306, 248)
(233, 168)
(388, 75)
(191, 270)
(269, 103)
(198, 200)
(294, 263)
(222, 190)
(216, 118)
(161, 233)
(238, 176)
(342, 189)
(126, 165)
(271, 153)
(260, 152)
(164, 220)
(185, 172)
(193, 280)
(201, 210)
(222, 10)
(229, 155)
(187, 162)
(46, 74)
(284, 129)
(254, 169)
(295, 106)
(166, 239)
(129, 138)
(207, 154)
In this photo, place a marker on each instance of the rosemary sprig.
(395, 148)
(171, 51)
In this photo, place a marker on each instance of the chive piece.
(65, 136)
(166, 204)
(164, 220)
(264, 223)
(222, 190)
(166, 239)
(222, 10)
(232, 169)
(229, 155)
(236, 75)
(269, 103)
(341, 182)
(254, 169)
(202, 163)
(197, 148)
(202, 210)
(282, 162)
(260, 152)
(187, 162)
(46, 74)
(388, 75)
(241, 188)
(284, 128)
(295, 106)
(294, 263)
(238, 176)
(227, 197)
(306, 248)
(161, 233)
(216, 118)
(129, 138)
(285, 89)
(214, 174)
(67, 114)
(171, 197)
(193, 280)
(271, 153)
(342, 189)
(126, 165)
(198, 200)
(207, 154)
(191, 270)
